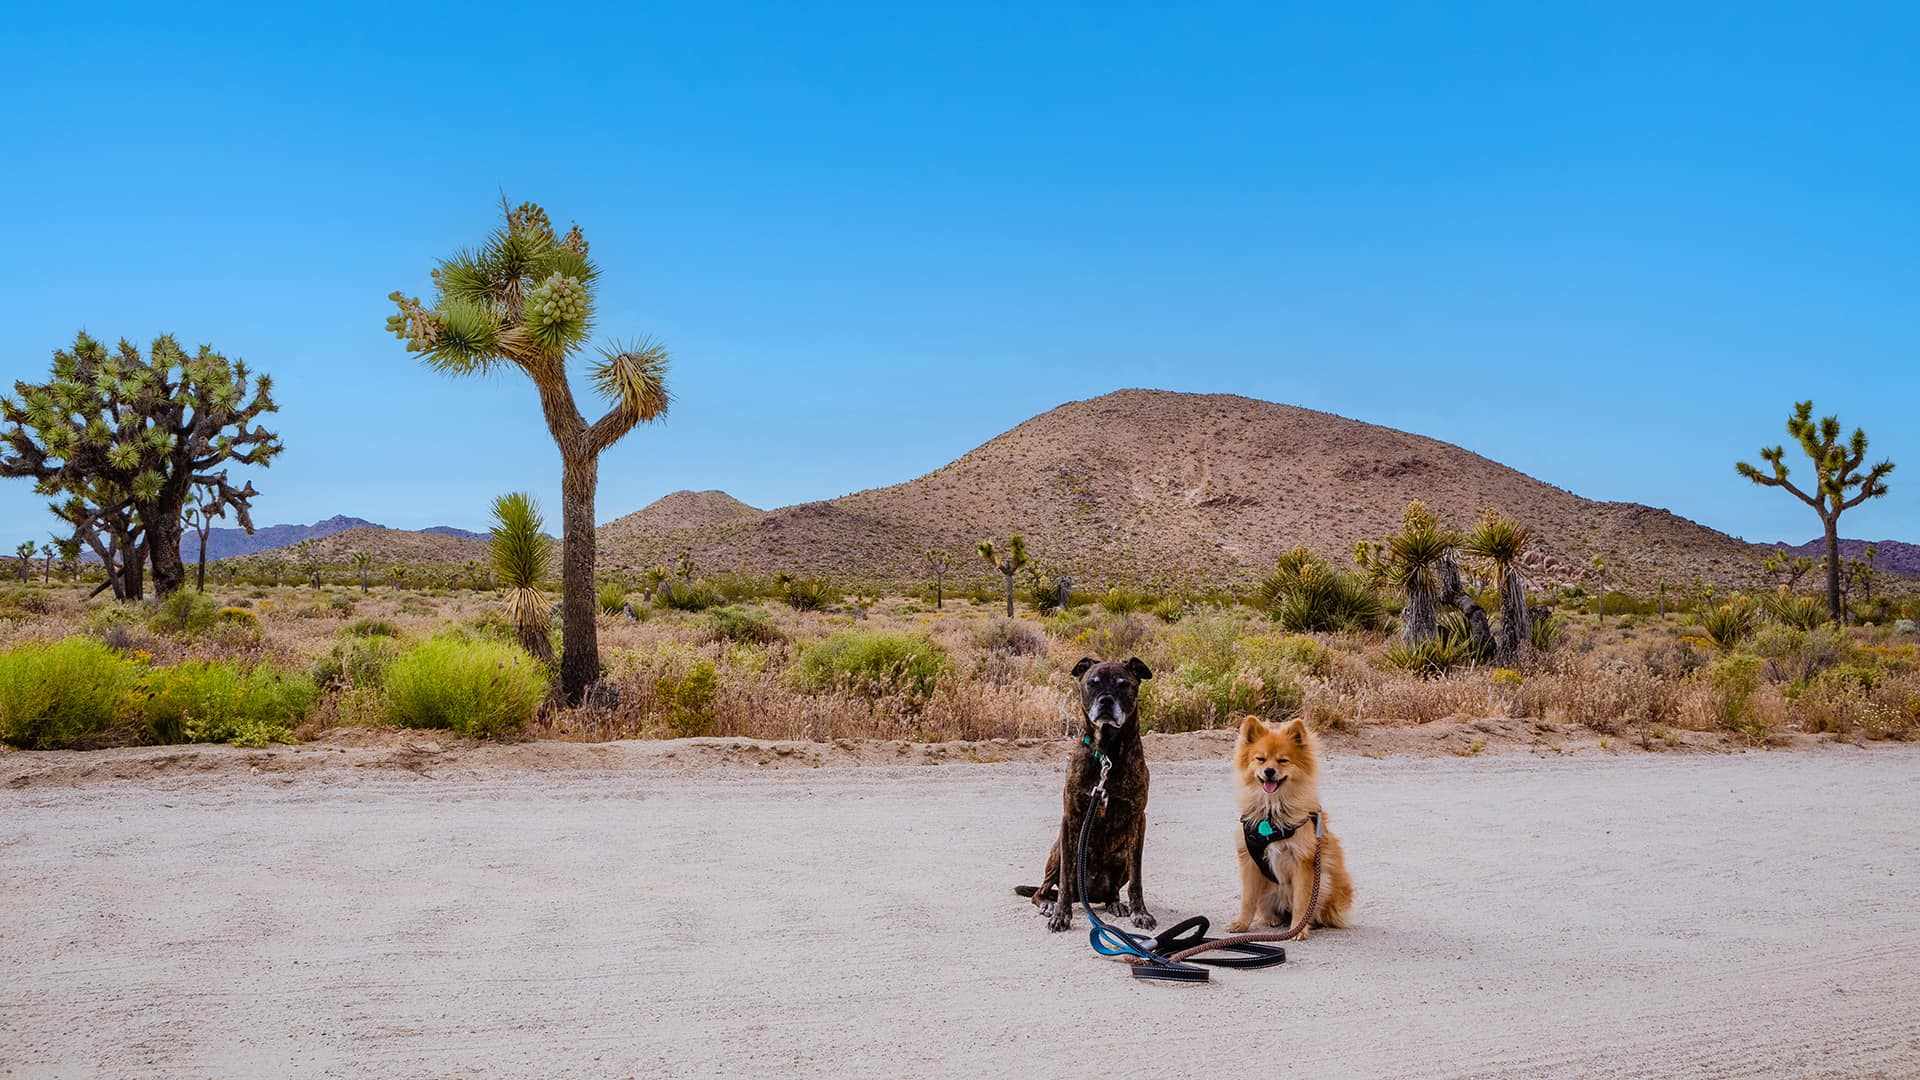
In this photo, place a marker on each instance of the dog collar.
(1098, 754)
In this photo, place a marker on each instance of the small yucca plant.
(1729, 624)
(1799, 612)
(522, 557)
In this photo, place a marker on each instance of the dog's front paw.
(1119, 909)
(1060, 917)
(1145, 920)
(1238, 926)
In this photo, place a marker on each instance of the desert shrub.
(1733, 679)
(1214, 672)
(1799, 655)
(1042, 589)
(372, 628)
(740, 625)
(66, 694)
(1116, 636)
(1119, 601)
(185, 612)
(1011, 636)
(687, 698)
(1430, 658)
(479, 688)
(113, 620)
(612, 597)
(237, 616)
(687, 596)
(341, 605)
(1305, 594)
(1903, 626)
(355, 664)
(223, 702)
(1729, 624)
(871, 663)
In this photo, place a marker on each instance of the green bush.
(1799, 655)
(356, 664)
(807, 594)
(1545, 632)
(1305, 594)
(681, 595)
(220, 701)
(1214, 673)
(185, 612)
(372, 628)
(477, 688)
(612, 596)
(69, 693)
(739, 625)
(1799, 612)
(687, 697)
(874, 663)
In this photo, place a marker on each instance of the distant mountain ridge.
(226, 543)
(1895, 557)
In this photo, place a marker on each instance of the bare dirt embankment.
(404, 907)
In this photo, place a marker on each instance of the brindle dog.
(1111, 728)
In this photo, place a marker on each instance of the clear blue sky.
(1607, 247)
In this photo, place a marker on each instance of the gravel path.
(1630, 915)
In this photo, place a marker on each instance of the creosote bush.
(222, 702)
(185, 612)
(478, 688)
(871, 663)
(70, 693)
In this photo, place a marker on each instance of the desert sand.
(628, 910)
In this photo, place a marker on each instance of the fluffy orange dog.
(1276, 769)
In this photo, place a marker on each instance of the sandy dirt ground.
(409, 910)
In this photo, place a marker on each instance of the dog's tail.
(1030, 890)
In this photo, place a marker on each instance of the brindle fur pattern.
(1108, 716)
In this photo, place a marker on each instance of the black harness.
(1264, 833)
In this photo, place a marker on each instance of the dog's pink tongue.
(1271, 785)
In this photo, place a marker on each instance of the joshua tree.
(937, 561)
(654, 580)
(473, 574)
(308, 554)
(25, 552)
(69, 550)
(1786, 569)
(1501, 541)
(199, 516)
(124, 439)
(684, 565)
(1419, 560)
(522, 555)
(363, 564)
(526, 298)
(46, 564)
(398, 575)
(1008, 562)
(1838, 486)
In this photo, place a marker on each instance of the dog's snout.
(1269, 773)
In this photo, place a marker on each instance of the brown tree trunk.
(1009, 578)
(580, 644)
(1420, 618)
(163, 548)
(1516, 621)
(1833, 567)
(1453, 594)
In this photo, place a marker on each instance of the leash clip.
(1099, 793)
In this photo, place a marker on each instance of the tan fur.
(1294, 753)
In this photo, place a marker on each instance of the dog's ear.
(1080, 668)
(1296, 731)
(1251, 728)
(1140, 670)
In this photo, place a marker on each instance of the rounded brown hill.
(1156, 487)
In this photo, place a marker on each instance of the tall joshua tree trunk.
(1834, 607)
(526, 298)
(1455, 595)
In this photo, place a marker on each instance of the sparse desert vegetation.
(733, 655)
